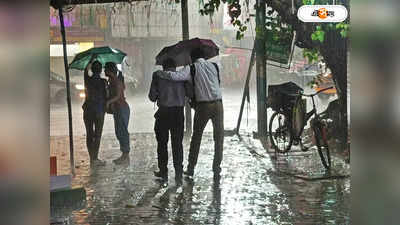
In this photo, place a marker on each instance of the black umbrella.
(180, 52)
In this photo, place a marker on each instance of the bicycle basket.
(280, 96)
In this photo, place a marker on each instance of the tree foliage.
(328, 40)
(310, 36)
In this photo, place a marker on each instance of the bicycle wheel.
(322, 145)
(279, 132)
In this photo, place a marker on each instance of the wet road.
(254, 189)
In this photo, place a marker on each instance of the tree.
(325, 39)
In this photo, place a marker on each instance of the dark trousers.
(204, 112)
(94, 127)
(121, 121)
(169, 120)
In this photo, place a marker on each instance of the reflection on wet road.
(253, 189)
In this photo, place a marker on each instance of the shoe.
(188, 177)
(163, 183)
(124, 158)
(97, 162)
(189, 173)
(163, 176)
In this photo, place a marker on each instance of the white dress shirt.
(207, 87)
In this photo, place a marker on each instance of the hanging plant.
(281, 33)
(234, 11)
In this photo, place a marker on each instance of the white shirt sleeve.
(180, 75)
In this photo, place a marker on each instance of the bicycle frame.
(311, 113)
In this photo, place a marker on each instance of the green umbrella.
(104, 54)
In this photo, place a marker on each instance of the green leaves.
(237, 23)
(343, 28)
(343, 33)
(318, 35)
(320, 31)
(210, 7)
(308, 2)
(274, 22)
(234, 9)
(311, 55)
(239, 35)
(243, 28)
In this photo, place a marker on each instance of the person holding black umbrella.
(170, 97)
(94, 109)
(120, 109)
(205, 78)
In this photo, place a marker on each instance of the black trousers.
(204, 112)
(94, 127)
(169, 120)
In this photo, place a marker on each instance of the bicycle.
(287, 126)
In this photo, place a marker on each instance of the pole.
(185, 36)
(246, 89)
(261, 67)
(185, 20)
(71, 140)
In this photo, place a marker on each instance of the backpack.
(192, 96)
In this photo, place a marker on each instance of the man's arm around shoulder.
(180, 75)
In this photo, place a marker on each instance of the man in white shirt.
(204, 76)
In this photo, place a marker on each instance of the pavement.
(256, 186)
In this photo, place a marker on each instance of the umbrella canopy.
(180, 52)
(104, 54)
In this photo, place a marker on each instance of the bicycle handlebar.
(310, 95)
(323, 90)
